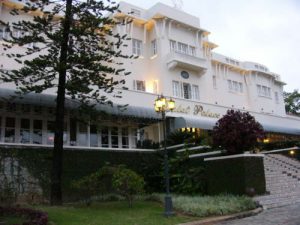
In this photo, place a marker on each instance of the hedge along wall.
(235, 175)
(79, 163)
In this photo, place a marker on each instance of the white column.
(156, 30)
(145, 33)
(170, 29)
(163, 28)
(131, 29)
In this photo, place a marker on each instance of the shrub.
(187, 174)
(127, 183)
(179, 137)
(237, 132)
(96, 183)
(35, 217)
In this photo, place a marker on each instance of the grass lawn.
(113, 213)
(10, 220)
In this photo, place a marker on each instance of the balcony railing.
(177, 59)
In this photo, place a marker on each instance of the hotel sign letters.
(197, 110)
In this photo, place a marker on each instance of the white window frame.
(235, 86)
(263, 91)
(195, 92)
(183, 48)
(139, 85)
(154, 47)
(137, 48)
(173, 46)
(176, 89)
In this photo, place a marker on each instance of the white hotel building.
(176, 58)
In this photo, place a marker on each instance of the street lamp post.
(163, 105)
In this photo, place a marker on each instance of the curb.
(218, 219)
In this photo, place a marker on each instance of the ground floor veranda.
(29, 121)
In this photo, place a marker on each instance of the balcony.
(177, 59)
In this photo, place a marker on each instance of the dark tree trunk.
(57, 159)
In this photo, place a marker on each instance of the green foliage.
(147, 144)
(187, 175)
(73, 51)
(90, 47)
(82, 163)
(235, 175)
(237, 132)
(99, 182)
(128, 183)
(8, 193)
(179, 137)
(204, 206)
(292, 102)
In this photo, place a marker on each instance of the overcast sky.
(263, 31)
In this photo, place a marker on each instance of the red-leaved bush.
(237, 132)
(34, 217)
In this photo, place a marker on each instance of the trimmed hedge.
(79, 163)
(236, 175)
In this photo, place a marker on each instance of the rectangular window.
(235, 86)
(263, 91)
(214, 78)
(82, 134)
(125, 138)
(176, 89)
(114, 137)
(139, 85)
(10, 130)
(104, 137)
(173, 46)
(192, 50)
(195, 92)
(136, 47)
(37, 136)
(93, 136)
(183, 48)
(154, 47)
(25, 131)
(276, 97)
(186, 90)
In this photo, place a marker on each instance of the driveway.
(287, 215)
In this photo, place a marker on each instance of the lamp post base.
(168, 206)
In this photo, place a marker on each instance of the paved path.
(287, 215)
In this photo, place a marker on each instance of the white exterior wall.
(163, 23)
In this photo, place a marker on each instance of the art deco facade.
(176, 58)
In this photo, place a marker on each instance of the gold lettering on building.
(198, 110)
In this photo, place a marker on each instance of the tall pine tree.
(69, 46)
